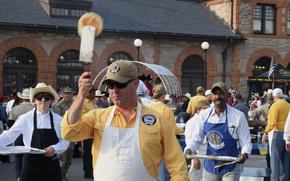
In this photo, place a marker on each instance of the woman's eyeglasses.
(44, 96)
(112, 84)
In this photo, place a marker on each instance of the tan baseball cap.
(121, 71)
(219, 85)
(159, 89)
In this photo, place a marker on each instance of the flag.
(272, 68)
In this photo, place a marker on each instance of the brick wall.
(245, 54)
(222, 9)
(47, 47)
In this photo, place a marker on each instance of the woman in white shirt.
(41, 129)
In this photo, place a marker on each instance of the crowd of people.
(136, 130)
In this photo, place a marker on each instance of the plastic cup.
(263, 148)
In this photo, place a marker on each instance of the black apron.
(39, 167)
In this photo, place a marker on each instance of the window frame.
(264, 19)
(67, 12)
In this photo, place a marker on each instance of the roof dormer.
(66, 8)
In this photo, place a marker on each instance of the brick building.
(265, 25)
(39, 43)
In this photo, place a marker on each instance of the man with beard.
(224, 128)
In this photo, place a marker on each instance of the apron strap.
(35, 120)
(51, 120)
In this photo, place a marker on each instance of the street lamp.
(205, 46)
(138, 44)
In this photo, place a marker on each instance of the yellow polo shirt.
(167, 113)
(89, 104)
(193, 102)
(157, 141)
(277, 115)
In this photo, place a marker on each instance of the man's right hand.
(196, 164)
(85, 84)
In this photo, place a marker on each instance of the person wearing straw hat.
(41, 129)
(24, 107)
(100, 102)
(208, 96)
(130, 139)
(185, 99)
(225, 128)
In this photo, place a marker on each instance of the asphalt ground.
(75, 173)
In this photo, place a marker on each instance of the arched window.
(19, 70)
(69, 69)
(117, 56)
(192, 74)
(261, 66)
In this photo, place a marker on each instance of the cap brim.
(216, 88)
(121, 80)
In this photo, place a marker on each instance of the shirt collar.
(42, 114)
(213, 113)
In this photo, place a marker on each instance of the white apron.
(120, 157)
(270, 138)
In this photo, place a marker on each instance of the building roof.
(159, 17)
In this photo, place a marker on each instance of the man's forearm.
(75, 111)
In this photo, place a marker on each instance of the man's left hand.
(49, 151)
(244, 157)
(264, 137)
(288, 147)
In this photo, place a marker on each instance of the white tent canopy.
(168, 79)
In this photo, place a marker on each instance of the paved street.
(76, 171)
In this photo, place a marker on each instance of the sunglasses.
(44, 96)
(112, 84)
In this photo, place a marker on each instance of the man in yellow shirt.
(277, 116)
(130, 140)
(195, 99)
